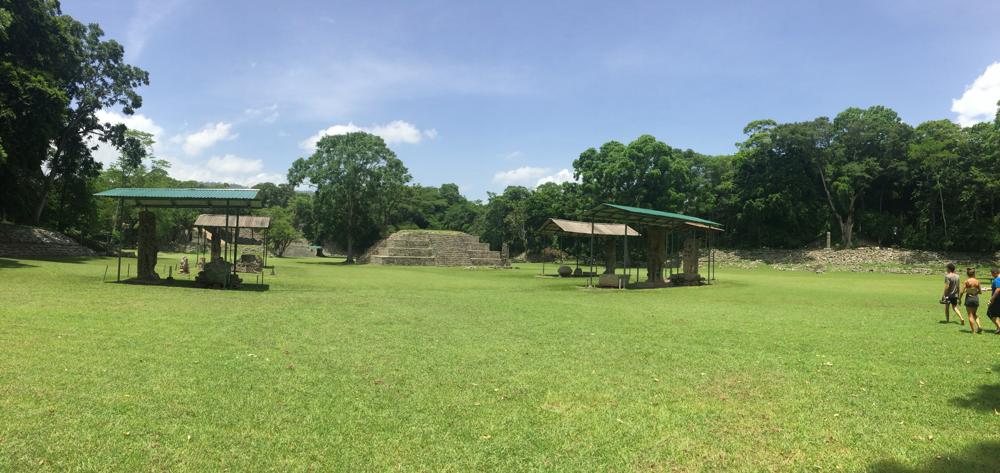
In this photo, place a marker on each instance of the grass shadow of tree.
(12, 264)
(191, 284)
(985, 398)
(978, 457)
(63, 259)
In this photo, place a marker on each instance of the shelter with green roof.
(674, 242)
(232, 202)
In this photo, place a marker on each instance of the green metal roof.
(186, 197)
(637, 215)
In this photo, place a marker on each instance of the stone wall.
(17, 241)
(431, 248)
(863, 259)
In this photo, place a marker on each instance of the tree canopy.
(359, 185)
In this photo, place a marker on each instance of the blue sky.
(486, 94)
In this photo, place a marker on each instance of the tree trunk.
(846, 230)
(609, 255)
(944, 217)
(656, 254)
(350, 249)
(43, 199)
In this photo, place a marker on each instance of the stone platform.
(32, 242)
(431, 248)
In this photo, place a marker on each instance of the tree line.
(865, 176)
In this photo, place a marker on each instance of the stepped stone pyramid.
(26, 242)
(432, 248)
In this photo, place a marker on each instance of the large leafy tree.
(55, 75)
(275, 195)
(505, 219)
(858, 148)
(282, 232)
(359, 182)
(773, 195)
(645, 173)
(35, 63)
(99, 79)
(935, 169)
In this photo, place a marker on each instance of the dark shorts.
(953, 300)
(972, 301)
(993, 310)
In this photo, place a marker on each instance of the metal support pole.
(577, 255)
(236, 243)
(225, 231)
(121, 204)
(625, 255)
(591, 275)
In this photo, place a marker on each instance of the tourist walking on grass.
(950, 296)
(993, 311)
(971, 290)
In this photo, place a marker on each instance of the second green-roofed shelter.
(668, 235)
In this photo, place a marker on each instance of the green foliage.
(773, 198)
(275, 195)
(55, 75)
(359, 186)
(436, 208)
(282, 231)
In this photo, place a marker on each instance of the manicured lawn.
(367, 368)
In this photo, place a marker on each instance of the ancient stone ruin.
(432, 248)
(216, 272)
(689, 265)
(146, 258)
(17, 241)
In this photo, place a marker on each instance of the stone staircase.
(432, 248)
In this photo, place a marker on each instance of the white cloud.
(979, 102)
(227, 168)
(531, 176)
(564, 175)
(394, 132)
(136, 121)
(107, 154)
(207, 137)
(268, 114)
(524, 175)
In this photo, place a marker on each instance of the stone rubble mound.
(18, 241)
(862, 259)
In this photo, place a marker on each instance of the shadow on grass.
(985, 398)
(978, 457)
(190, 284)
(64, 259)
(331, 263)
(12, 264)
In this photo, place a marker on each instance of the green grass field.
(369, 368)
